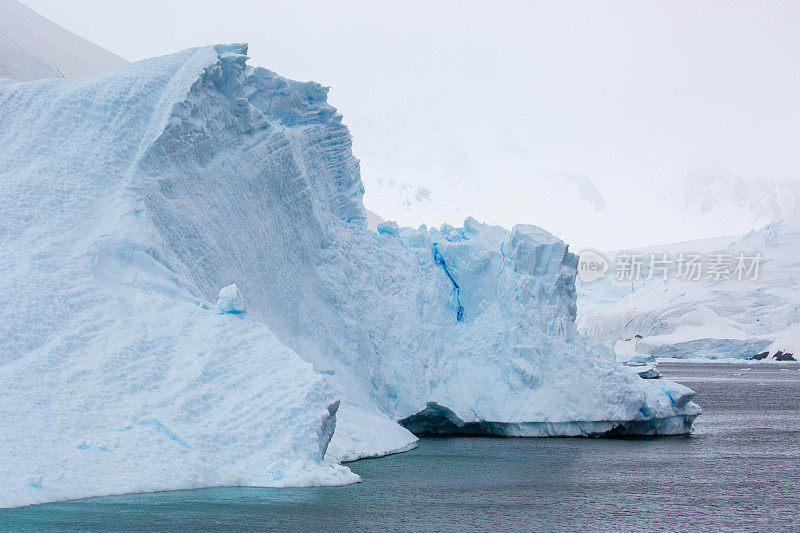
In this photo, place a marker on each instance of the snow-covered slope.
(32, 47)
(132, 199)
(729, 318)
(786, 346)
(600, 294)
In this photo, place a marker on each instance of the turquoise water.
(740, 470)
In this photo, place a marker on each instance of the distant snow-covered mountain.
(32, 47)
(562, 202)
(726, 203)
(728, 318)
(585, 213)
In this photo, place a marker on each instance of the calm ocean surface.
(740, 470)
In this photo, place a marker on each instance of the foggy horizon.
(484, 111)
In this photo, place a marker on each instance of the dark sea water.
(740, 470)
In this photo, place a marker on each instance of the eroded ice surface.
(114, 378)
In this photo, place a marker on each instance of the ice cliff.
(192, 297)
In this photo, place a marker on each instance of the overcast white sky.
(481, 102)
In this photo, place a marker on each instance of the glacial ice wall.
(254, 182)
(130, 200)
(114, 375)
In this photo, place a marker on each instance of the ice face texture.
(114, 378)
(130, 199)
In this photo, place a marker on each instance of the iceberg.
(649, 372)
(130, 198)
(116, 375)
(230, 300)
